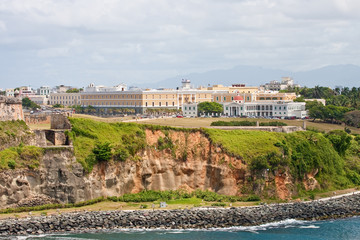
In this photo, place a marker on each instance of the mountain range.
(333, 75)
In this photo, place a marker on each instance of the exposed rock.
(35, 200)
(181, 219)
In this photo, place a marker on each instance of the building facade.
(279, 109)
(65, 99)
(286, 82)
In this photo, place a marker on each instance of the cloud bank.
(75, 42)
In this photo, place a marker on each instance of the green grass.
(301, 152)
(246, 144)
(87, 133)
(185, 201)
(21, 157)
(13, 132)
(298, 152)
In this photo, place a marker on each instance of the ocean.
(348, 228)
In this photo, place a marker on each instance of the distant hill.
(333, 75)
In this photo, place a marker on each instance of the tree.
(102, 151)
(340, 140)
(73, 90)
(27, 103)
(57, 105)
(210, 108)
(316, 110)
(352, 118)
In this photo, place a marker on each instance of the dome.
(238, 98)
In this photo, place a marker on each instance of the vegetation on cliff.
(98, 141)
(21, 157)
(12, 133)
(333, 157)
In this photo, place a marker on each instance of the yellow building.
(144, 99)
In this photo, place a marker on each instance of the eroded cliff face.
(192, 162)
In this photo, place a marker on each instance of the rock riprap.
(182, 219)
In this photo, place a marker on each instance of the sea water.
(289, 229)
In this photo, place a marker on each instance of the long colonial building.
(142, 99)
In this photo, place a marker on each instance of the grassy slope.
(13, 131)
(15, 134)
(205, 122)
(301, 152)
(86, 133)
(246, 144)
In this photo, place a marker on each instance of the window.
(227, 108)
(224, 98)
(153, 104)
(217, 98)
(146, 104)
(185, 108)
(159, 104)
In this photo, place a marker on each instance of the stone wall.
(10, 109)
(37, 119)
(60, 121)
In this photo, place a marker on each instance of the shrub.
(220, 204)
(340, 140)
(12, 164)
(253, 198)
(102, 151)
(121, 154)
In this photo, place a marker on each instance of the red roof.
(238, 98)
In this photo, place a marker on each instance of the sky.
(107, 42)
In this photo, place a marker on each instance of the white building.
(44, 90)
(92, 88)
(190, 109)
(280, 109)
(274, 85)
(9, 92)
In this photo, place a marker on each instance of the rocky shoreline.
(183, 219)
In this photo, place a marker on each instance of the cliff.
(63, 179)
(273, 165)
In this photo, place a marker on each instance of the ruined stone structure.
(60, 121)
(10, 109)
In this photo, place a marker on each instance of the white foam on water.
(310, 226)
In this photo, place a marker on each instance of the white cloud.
(2, 27)
(53, 52)
(97, 58)
(164, 36)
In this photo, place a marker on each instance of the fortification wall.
(10, 109)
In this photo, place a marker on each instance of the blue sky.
(75, 42)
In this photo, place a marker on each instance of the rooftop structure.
(92, 88)
(286, 82)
